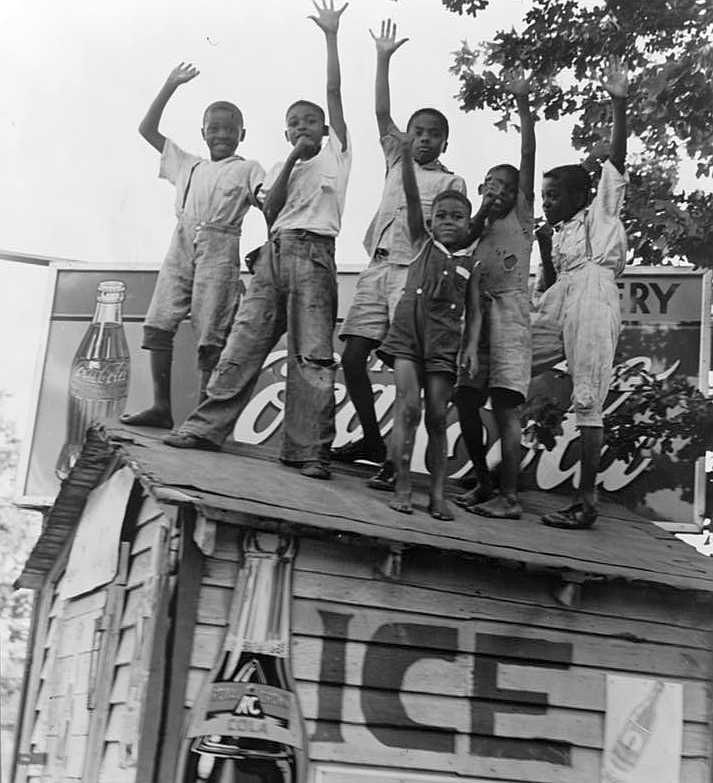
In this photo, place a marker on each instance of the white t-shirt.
(316, 189)
(211, 191)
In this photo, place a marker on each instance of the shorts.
(378, 291)
(505, 346)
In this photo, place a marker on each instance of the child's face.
(222, 133)
(428, 138)
(305, 121)
(450, 222)
(558, 202)
(501, 185)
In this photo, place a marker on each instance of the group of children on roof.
(444, 299)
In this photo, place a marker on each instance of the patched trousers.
(579, 319)
(295, 291)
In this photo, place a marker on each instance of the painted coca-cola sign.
(661, 311)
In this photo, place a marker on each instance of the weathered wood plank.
(362, 748)
(188, 589)
(452, 573)
(587, 650)
(580, 728)
(576, 687)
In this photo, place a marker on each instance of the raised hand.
(327, 18)
(181, 74)
(516, 82)
(615, 78)
(386, 43)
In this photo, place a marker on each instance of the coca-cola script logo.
(99, 380)
(261, 420)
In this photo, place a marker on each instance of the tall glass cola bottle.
(99, 377)
(247, 723)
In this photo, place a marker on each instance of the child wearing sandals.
(423, 341)
(579, 315)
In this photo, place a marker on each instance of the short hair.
(574, 177)
(312, 105)
(225, 106)
(442, 121)
(457, 195)
(512, 170)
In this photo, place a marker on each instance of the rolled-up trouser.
(294, 290)
(200, 275)
(579, 319)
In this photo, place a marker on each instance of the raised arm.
(616, 82)
(414, 210)
(386, 45)
(520, 87)
(327, 19)
(149, 125)
(277, 195)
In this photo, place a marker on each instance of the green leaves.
(666, 44)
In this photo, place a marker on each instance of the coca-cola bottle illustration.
(247, 720)
(99, 377)
(634, 736)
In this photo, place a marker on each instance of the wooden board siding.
(470, 670)
(150, 557)
(62, 719)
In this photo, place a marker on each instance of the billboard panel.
(662, 326)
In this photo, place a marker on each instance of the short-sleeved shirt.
(595, 233)
(504, 249)
(388, 229)
(316, 189)
(211, 191)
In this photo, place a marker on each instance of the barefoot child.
(388, 244)
(426, 331)
(294, 288)
(201, 272)
(505, 224)
(580, 313)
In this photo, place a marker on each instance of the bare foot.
(151, 417)
(402, 503)
(499, 507)
(439, 509)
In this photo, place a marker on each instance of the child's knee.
(208, 356)
(436, 419)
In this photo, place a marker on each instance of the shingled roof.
(244, 489)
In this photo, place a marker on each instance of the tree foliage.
(18, 532)
(667, 44)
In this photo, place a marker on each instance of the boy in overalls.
(294, 288)
(505, 224)
(201, 271)
(579, 316)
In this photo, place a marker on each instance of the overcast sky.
(80, 183)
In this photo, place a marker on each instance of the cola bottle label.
(100, 380)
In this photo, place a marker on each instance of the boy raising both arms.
(504, 224)
(580, 313)
(426, 332)
(201, 272)
(294, 288)
(390, 249)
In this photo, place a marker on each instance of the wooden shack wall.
(61, 720)
(467, 668)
